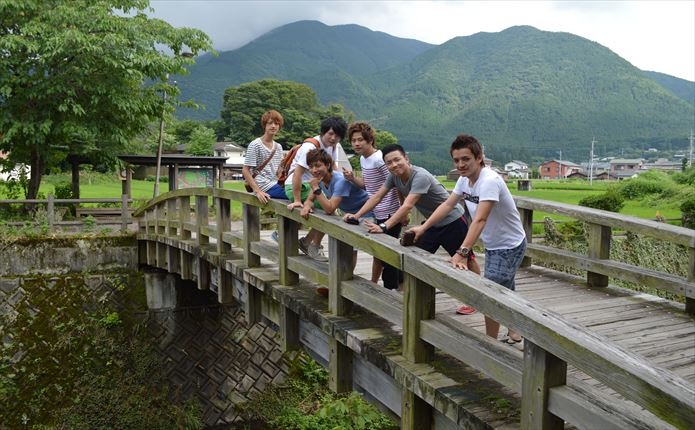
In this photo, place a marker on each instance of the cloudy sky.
(652, 35)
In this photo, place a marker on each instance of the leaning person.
(374, 174)
(424, 192)
(263, 156)
(495, 217)
(297, 187)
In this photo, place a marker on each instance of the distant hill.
(526, 94)
(326, 58)
(680, 87)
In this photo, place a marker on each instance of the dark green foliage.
(609, 201)
(63, 190)
(688, 216)
(303, 402)
(524, 93)
(71, 361)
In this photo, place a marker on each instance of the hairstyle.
(338, 125)
(272, 115)
(391, 148)
(364, 129)
(319, 155)
(464, 141)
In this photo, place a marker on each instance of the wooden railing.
(121, 214)
(597, 262)
(552, 343)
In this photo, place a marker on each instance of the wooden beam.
(542, 371)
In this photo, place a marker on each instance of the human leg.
(277, 192)
(500, 267)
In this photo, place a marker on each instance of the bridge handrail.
(51, 203)
(551, 341)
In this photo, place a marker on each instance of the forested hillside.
(527, 94)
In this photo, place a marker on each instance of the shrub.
(608, 201)
(638, 188)
(63, 190)
(688, 213)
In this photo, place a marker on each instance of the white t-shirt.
(503, 229)
(300, 159)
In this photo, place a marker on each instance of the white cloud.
(652, 35)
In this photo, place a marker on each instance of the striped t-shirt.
(374, 174)
(256, 154)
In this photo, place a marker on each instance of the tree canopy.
(84, 76)
(244, 105)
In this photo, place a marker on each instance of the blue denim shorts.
(501, 264)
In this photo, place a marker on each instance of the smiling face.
(397, 163)
(466, 163)
(360, 145)
(319, 169)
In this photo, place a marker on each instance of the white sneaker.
(312, 250)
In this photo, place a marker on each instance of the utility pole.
(591, 161)
(559, 169)
(690, 158)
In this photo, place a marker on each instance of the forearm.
(246, 173)
(400, 215)
(368, 205)
(297, 187)
(474, 232)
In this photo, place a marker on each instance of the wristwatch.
(317, 191)
(383, 227)
(463, 251)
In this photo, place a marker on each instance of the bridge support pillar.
(160, 290)
(527, 222)
(599, 247)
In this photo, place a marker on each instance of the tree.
(384, 138)
(201, 142)
(244, 105)
(83, 76)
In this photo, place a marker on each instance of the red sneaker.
(466, 310)
(322, 291)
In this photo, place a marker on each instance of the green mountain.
(680, 87)
(326, 58)
(526, 94)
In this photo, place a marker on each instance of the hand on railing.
(306, 210)
(262, 196)
(293, 205)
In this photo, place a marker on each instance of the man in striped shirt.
(374, 174)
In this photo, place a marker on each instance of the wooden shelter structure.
(173, 162)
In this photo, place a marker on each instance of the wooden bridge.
(594, 356)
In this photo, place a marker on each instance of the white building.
(517, 169)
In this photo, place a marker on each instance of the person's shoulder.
(255, 142)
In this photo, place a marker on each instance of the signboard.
(195, 177)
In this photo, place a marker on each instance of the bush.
(63, 190)
(638, 188)
(688, 213)
(609, 201)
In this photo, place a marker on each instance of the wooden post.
(184, 217)
(339, 270)
(186, 265)
(416, 414)
(418, 305)
(527, 222)
(252, 233)
(203, 274)
(173, 260)
(201, 219)
(599, 247)
(287, 247)
(126, 184)
(252, 306)
(172, 216)
(50, 211)
(125, 216)
(225, 289)
(690, 301)
(289, 329)
(339, 367)
(542, 371)
(223, 220)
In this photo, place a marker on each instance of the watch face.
(317, 191)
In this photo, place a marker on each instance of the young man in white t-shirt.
(496, 221)
(297, 183)
(374, 175)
